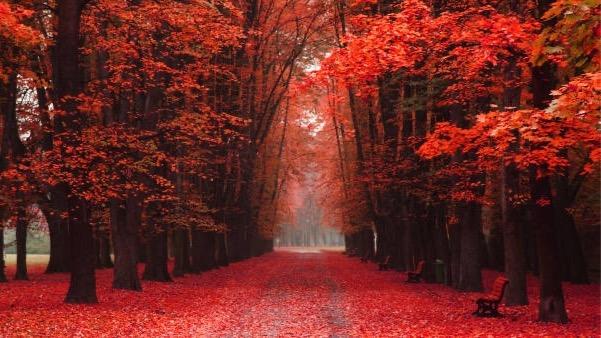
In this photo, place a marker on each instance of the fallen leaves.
(296, 294)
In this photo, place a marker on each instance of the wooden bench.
(416, 276)
(489, 304)
(384, 265)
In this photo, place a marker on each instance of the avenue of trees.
(467, 132)
(136, 127)
(460, 131)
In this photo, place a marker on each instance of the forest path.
(299, 293)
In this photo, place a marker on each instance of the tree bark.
(68, 84)
(58, 226)
(222, 256)
(181, 248)
(572, 257)
(454, 231)
(125, 221)
(156, 265)
(21, 234)
(204, 251)
(3, 278)
(470, 278)
(513, 239)
(82, 286)
(103, 251)
(551, 307)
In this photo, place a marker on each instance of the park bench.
(416, 276)
(489, 304)
(384, 265)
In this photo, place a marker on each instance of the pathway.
(285, 293)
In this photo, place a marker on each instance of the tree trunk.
(68, 84)
(513, 239)
(82, 287)
(572, 257)
(407, 244)
(396, 243)
(551, 307)
(59, 248)
(125, 219)
(58, 226)
(156, 265)
(181, 248)
(575, 263)
(21, 234)
(454, 231)
(103, 251)
(204, 251)
(470, 278)
(141, 248)
(11, 149)
(222, 256)
(441, 239)
(2, 263)
(196, 249)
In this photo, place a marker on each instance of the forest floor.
(285, 293)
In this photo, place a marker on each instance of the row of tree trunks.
(360, 244)
(204, 251)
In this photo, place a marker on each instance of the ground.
(285, 293)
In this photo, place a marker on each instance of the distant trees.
(307, 229)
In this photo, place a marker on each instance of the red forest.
(167, 153)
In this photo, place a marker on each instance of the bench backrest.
(420, 267)
(498, 287)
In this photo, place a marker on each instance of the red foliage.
(281, 294)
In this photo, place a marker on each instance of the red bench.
(416, 276)
(384, 265)
(488, 305)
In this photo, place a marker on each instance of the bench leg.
(494, 310)
(411, 278)
(487, 309)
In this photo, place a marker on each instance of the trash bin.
(439, 271)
